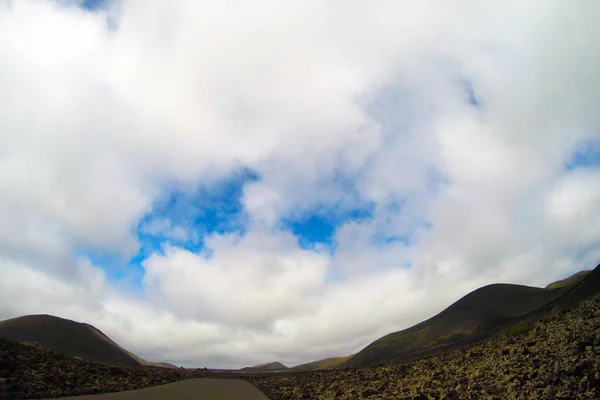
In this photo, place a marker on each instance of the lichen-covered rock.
(28, 371)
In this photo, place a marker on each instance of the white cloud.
(164, 227)
(248, 280)
(316, 97)
(570, 206)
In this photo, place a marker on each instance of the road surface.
(191, 389)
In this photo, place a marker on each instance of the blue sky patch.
(315, 229)
(111, 263)
(185, 218)
(318, 226)
(586, 156)
(92, 5)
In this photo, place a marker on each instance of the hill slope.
(274, 366)
(478, 315)
(570, 281)
(67, 337)
(556, 358)
(331, 362)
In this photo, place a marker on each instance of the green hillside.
(570, 281)
(326, 363)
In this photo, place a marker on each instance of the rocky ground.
(26, 371)
(557, 358)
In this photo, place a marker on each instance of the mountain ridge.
(479, 315)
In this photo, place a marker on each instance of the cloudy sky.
(227, 183)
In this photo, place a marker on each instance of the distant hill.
(478, 315)
(72, 339)
(331, 362)
(150, 363)
(274, 366)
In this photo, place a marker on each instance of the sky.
(229, 183)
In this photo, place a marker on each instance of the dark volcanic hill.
(558, 357)
(67, 337)
(478, 315)
(274, 366)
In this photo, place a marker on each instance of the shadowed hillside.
(67, 337)
(72, 339)
(570, 292)
(478, 315)
(586, 285)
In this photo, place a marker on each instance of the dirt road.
(192, 389)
